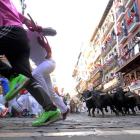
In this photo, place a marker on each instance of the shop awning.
(129, 63)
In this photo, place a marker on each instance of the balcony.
(129, 58)
(133, 24)
(97, 69)
(108, 66)
(110, 44)
(123, 36)
(109, 26)
(112, 84)
(128, 3)
(120, 13)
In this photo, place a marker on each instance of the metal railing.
(121, 9)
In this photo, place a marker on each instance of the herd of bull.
(118, 101)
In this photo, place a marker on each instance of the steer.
(131, 100)
(118, 99)
(102, 100)
(89, 103)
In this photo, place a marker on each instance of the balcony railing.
(123, 36)
(133, 51)
(109, 45)
(108, 27)
(109, 65)
(128, 3)
(133, 24)
(95, 70)
(120, 13)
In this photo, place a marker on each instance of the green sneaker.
(8, 115)
(16, 85)
(48, 117)
(37, 116)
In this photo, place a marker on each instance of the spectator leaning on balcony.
(111, 76)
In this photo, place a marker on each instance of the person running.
(14, 44)
(13, 103)
(41, 55)
(3, 109)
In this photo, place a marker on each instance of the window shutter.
(135, 7)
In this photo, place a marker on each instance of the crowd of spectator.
(128, 52)
(112, 76)
(130, 81)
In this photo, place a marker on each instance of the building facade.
(110, 59)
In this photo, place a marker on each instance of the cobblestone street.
(77, 126)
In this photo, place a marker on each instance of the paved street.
(77, 126)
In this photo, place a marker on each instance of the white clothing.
(22, 101)
(13, 103)
(42, 75)
(37, 52)
(2, 107)
(33, 105)
(44, 68)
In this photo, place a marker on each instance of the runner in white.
(40, 54)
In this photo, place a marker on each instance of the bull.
(89, 103)
(131, 100)
(102, 100)
(99, 100)
(118, 99)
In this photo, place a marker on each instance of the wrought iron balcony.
(109, 26)
(133, 24)
(130, 54)
(123, 36)
(120, 13)
(128, 3)
(111, 64)
(96, 70)
(110, 44)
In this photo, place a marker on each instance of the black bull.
(98, 99)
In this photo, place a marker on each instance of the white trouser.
(22, 101)
(33, 105)
(2, 107)
(42, 75)
(13, 103)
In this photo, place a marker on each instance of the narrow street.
(77, 126)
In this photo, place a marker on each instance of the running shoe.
(48, 117)
(33, 115)
(16, 85)
(8, 115)
(36, 116)
(20, 114)
(5, 111)
(64, 115)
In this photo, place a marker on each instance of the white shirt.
(37, 52)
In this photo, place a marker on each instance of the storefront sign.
(111, 83)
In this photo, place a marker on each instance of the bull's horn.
(88, 98)
(102, 94)
(125, 91)
(130, 96)
(78, 91)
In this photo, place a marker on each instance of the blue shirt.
(5, 85)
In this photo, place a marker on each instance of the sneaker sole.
(5, 113)
(19, 88)
(49, 122)
(64, 118)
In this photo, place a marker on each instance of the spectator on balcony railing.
(111, 76)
